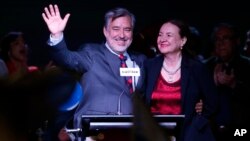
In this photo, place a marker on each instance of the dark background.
(86, 21)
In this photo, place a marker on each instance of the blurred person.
(100, 64)
(231, 75)
(25, 103)
(175, 82)
(246, 47)
(195, 44)
(64, 104)
(3, 69)
(14, 52)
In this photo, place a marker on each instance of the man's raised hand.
(53, 19)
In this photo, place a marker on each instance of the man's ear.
(104, 31)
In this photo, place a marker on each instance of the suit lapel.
(114, 64)
(153, 74)
(185, 74)
(140, 65)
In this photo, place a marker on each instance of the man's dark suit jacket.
(233, 102)
(103, 87)
(196, 83)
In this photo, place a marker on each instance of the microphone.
(134, 77)
(119, 104)
(132, 58)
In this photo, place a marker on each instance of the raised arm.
(53, 19)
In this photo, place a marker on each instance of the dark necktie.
(128, 79)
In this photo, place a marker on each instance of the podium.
(92, 123)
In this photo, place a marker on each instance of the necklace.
(170, 74)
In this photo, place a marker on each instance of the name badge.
(130, 72)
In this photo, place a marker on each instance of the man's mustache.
(121, 39)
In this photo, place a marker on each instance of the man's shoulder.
(91, 46)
